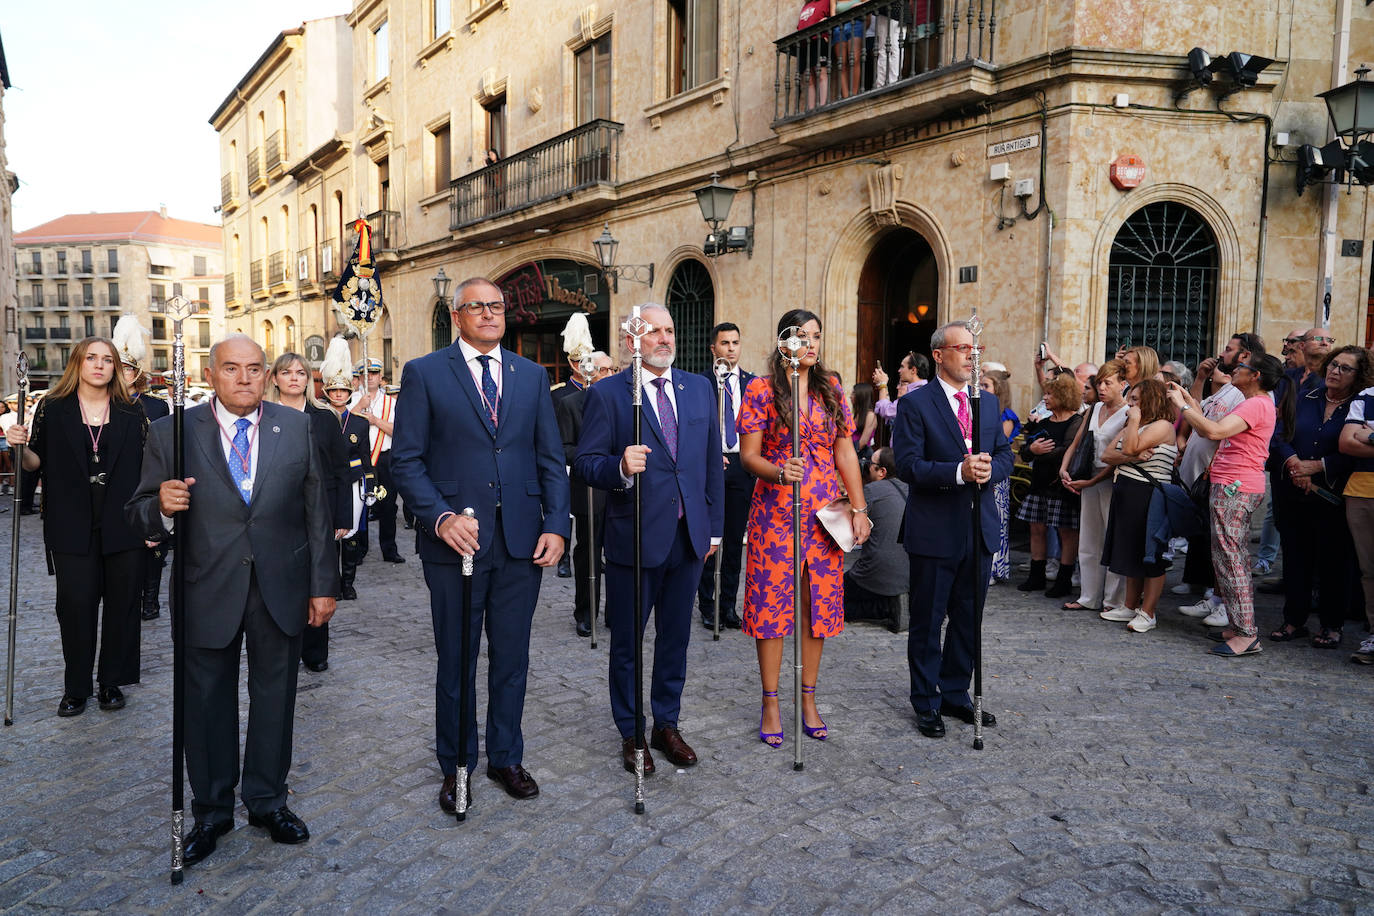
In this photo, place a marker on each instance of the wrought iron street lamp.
(714, 200)
(606, 247)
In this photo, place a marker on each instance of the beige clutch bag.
(837, 520)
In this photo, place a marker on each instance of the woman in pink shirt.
(1237, 478)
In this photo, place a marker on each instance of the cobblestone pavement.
(1128, 773)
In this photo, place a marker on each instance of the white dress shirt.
(950, 391)
(732, 385)
(470, 354)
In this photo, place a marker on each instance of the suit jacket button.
(247, 560)
(498, 451)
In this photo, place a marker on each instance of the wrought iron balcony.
(329, 260)
(307, 268)
(276, 152)
(276, 268)
(256, 179)
(256, 274)
(834, 62)
(109, 302)
(88, 302)
(228, 194)
(60, 333)
(581, 158)
(386, 231)
(231, 283)
(85, 267)
(62, 267)
(31, 269)
(35, 333)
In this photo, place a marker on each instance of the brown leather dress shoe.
(627, 756)
(517, 782)
(669, 741)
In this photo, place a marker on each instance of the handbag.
(836, 519)
(1083, 466)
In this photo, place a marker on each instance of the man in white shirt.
(379, 409)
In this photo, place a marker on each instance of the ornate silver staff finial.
(636, 327)
(21, 373)
(975, 327)
(178, 308)
(586, 366)
(721, 368)
(792, 345)
(467, 557)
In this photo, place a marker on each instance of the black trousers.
(28, 487)
(384, 510)
(1317, 550)
(586, 547)
(84, 582)
(739, 490)
(212, 716)
(154, 561)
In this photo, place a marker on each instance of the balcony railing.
(60, 333)
(85, 267)
(88, 302)
(255, 274)
(109, 302)
(256, 179)
(35, 333)
(386, 230)
(276, 268)
(62, 267)
(31, 269)
(828, 64)
(110, 268)
(231, 286)
(307, 270)
(157, 305)
(276, 152)
(584, 156)
(62, 302)
(227, 196)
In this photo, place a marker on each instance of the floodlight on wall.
(606, 247)
(1348, 159)
(1237, 69)
(714, 200)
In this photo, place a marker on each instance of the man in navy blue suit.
(680, 469)
(475, 427)
(739, 487)
(932, 440)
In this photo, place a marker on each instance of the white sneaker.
(1183, 588)
(1119, 614)
(1051, 568)
(1179, 546)
(1218, 617)
(1201, 609)
(1141, 624)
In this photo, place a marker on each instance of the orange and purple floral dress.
(768, 570)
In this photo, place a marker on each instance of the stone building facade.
(286, 189)
(79, 273)
(1053, 165)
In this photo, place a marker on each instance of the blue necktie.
(489, 395)
(241, 459)
(731, 437)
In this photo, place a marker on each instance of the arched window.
(1162, 279)
(691, 300)
(443, 327)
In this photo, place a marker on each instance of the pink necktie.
(965, 421)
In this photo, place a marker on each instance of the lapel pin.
(276, 429)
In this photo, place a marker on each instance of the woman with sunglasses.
(1317, 548)
(1237, 475)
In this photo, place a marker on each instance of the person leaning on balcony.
(813, 54)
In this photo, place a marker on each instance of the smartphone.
(1044, 352)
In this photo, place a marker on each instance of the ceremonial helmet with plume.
(131, 341)
(337, 369)
(577, 337)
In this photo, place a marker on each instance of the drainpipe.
(1340, 53)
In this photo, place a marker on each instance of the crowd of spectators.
(1107, 449)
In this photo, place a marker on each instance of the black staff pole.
(792, 347)
(179, 308)
(21, 371)
(464, 646)
(975, 327)
(587, 366)
(636, 328)
(721, 368)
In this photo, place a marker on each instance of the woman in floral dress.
(827, 457)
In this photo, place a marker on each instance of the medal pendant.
(95, 457)
(246, 486)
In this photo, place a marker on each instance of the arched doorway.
(691, 300)
(540, 297)
(1162, 279)
(442, 324)
(898, 296)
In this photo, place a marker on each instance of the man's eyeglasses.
(1342, 368)
(965, 349)
(1292, 341)
(1329, 340)
(475, 307)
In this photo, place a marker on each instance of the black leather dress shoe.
(284, 826)
(348, 593)
(448, 794)
(150, 613)
(965, 714)
(930, 724)
(627, 757)
(564, 567)
(393, 558)
(200, 842)
(669, 741)
(517, 782)
(110, 698)
(317, 666)
(584, 629)
(71, 706)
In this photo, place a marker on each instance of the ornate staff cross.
(636, 327)
(791, 344)
(178, 308)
